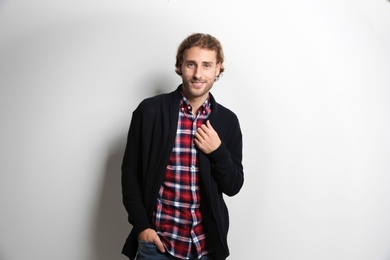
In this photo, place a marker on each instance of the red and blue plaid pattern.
(177, 218)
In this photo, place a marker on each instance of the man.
(183, 151)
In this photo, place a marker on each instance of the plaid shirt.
(177, 217)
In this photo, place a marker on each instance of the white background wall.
(309, 81)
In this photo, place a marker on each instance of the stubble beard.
(191, 92)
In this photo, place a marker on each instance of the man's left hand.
(206, 138)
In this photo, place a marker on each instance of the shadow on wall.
(111, 228)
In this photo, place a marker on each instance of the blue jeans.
(149, 251)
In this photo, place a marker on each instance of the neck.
(196, 104)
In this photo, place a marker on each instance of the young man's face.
(199, 70)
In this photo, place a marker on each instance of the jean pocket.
(147, 250)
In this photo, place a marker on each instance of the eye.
(207, 65)
(190, 64)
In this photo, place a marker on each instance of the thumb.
(209, 125)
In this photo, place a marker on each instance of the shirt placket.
(194, 177)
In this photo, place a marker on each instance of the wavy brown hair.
(205, 41)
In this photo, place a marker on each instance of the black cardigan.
(150, 141)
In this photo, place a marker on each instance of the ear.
(179, 70)
(218, 69)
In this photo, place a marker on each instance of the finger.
(209, 125)
(200, 132)
(159, 245)
(199, 142)
(200, 145)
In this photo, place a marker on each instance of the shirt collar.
(205, 109)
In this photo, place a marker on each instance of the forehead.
(200, 55)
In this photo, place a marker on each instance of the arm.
(132, 177)
(133, 183)
(225, 157)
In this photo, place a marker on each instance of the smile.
(198, 83)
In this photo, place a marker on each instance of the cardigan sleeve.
(132, 176)
(226, 160)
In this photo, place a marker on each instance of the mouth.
(198, 84)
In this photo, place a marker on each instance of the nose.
(197, 73)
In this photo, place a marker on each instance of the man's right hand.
(150, 235)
